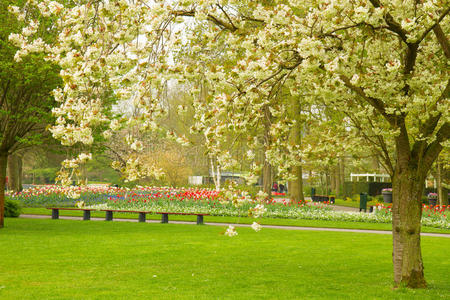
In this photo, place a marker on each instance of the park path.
(445, 235)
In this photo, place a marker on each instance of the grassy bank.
(63, 259)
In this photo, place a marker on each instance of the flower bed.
(432, 216)
(216, 203)
(205, 201)
(188, 200)
(54, 195)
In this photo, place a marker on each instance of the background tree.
(25, 100)
(15, 171)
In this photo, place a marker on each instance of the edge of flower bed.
(247, 220)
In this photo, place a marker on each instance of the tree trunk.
(439, 184)
(408, 185)
(333, 179)
(267, 168)
(14, 173)
(444, 196)
(337, 180)
(267, 178)
(3, 164)
(219, 177)
(327, 181)
(296, 186)
(213, 174)
(342, 173)
(20, 174)
(295, 190)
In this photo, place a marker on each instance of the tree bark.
(213, 173)
(267, 178)
(333, 179)
(295, 187)
(219, 177)
(327, 181)
(408, 185)
(445, 196)
(342, 173)
(337, 180)
(14, 173)
(439, 184)
(3, 165)
(267, 168)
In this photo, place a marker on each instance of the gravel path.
(242, 225)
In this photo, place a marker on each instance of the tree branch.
(433, 150)
(116, 154)
(442, 39)
(441, 17)
(376, 103)
(411, 56)
(354, 26)
(210, 17)
(227, 16)
(383, 153)
(5, 92)
(392, 24)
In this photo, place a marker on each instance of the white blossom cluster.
(256, 226)
(247, 62)
(257, 211)
(102, 47)
(231, 231)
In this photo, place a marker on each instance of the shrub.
(12, 208)
(424, 200)
(379, 198)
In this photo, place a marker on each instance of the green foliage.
(12, 208)
(355, 197)
(251, 189)
(45, 175)
(352, 188)
(99, 169)
(25, 86)
(349, 202)
(320, 190)
(379, 199)
(424, 200)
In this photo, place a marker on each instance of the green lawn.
(63, 259)
(352, 203)
(243, 220)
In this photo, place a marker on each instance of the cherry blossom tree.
(383, 64)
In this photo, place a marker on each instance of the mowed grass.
(353, 203)
(65, 259)
(240, 220)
